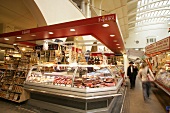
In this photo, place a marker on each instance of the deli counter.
(74, 88)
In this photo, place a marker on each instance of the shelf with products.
(15, 71)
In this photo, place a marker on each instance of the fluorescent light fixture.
(33, 35)
(72, 30)
(6, 38)
(105, 25)
(112, 35)
(51, 33)
(114, 40)
(18, 37)
(14, 44)
(117, 44)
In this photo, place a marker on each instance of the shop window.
(150, 40)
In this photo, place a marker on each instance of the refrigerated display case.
(163, 80)
(87, 86)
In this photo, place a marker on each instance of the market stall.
(159, 58)
(72, 87)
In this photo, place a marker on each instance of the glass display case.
(163, 80)
(86, 78)
(87, 86)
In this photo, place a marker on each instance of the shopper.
(131, 74)
(143, 75)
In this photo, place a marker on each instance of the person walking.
(143, 75)
(131, 74)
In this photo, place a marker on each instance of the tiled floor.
(134, 102)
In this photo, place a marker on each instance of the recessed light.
(23, 49)
(51, 33)
(117, 44)
(28, 46)
(6, 39)
(119, 47)
(33, 35)
(136, 33)
(114, 40)
(72, 30)
(18, 37)
(14, 44)
(105, 25)
(112, 35)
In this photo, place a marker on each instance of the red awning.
(90, 26)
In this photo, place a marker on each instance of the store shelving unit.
(14, 75)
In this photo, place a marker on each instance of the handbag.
(150, 78)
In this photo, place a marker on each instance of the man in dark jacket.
(131, 73)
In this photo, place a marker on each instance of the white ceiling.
(16, 13)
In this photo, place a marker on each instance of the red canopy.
(90, 26)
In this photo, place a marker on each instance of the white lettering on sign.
(26, 32)
(106, 18)
(159, 46)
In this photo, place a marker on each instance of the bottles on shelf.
(94, 60)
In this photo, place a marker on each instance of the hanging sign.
(159, 46)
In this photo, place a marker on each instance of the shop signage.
(107, 18)
(159, 46)
(25, 31)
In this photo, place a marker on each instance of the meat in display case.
(74, 81)
(163, 80)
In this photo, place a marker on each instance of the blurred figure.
(131, 74)
(143, 75)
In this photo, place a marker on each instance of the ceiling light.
(112, 35)
(136, 49)
(18, 37)
(14, 44)
(136, 33)
(28, 46)
(23, 49)
(51, 33)
(117, 44)
(2, 50)
(72, 30)
(6, 39)
(105, 25)
(114, 40)
(33, 35)
(119, 47)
